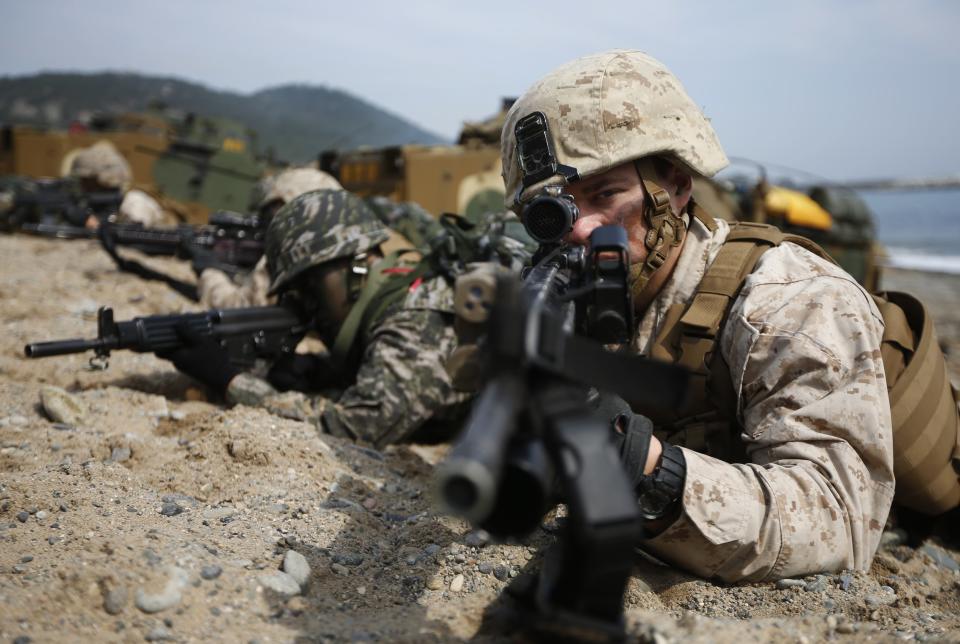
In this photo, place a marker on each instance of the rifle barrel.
(61, 347)
(469, 478)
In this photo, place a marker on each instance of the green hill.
(297, 121)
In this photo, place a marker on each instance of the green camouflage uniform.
(400, 384)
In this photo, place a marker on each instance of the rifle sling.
(132, 266)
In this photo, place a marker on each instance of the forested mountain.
(297, 121)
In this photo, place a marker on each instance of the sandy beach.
(144, 512)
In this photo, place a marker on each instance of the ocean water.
(919, 228)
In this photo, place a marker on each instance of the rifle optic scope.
(550, 216)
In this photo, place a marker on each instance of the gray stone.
(120, 454)
(26, 558)
(885, 597)
(348, 558)
(62, 407)
(23, 516)
(170, 509)
(218, 514)
(281, 583)
(16, 421)
(339, 569)
(167, 598)
(818, 585)
(784, 584)
(159, 634)
(431, 550)
(115, 600)
(477, 539)
(210, 572)
(845, 582)
(893, 538)
(501, 572)
(485, 567)
(295, 565)
(41, 515)
(940, 557)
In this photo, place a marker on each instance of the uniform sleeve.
(218, 291)
(401, 383)
(812, 396)
(138, 207)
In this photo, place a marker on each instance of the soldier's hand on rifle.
(632, 435)
(202, 358)
(301, 372)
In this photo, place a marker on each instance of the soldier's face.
(613, 197)
(323, 291)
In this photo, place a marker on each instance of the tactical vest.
(923, 403)
(453, 242)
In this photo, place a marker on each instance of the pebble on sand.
(167, 598)
(295, 565)
(281, 583)
(62, 407)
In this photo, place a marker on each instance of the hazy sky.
(843, 88)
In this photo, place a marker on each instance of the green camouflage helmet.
(319, 227)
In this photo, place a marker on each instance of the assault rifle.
(235, 240)
(248, 334)
(531, 439)
(52, 201)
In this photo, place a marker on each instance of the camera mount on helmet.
(535, 153)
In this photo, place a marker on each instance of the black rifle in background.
(248, 334)
(233, 242)
(532, 439)
(57, 201)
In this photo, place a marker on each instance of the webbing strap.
(379, 275)
(702, 320)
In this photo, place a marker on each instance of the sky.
(844, 89)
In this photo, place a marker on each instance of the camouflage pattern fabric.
(610, 108)
(138, 207)
(217, 290)
(401, 385)
(103, 162)
(318, 227)
(803, 346)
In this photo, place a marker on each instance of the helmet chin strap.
(665, 229)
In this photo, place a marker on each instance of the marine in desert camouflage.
(798, 477)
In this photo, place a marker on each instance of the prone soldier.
(217, 289)
(795, 474)
(386, 316)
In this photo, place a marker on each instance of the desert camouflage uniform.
(802, 342)
(218, 290)
(104, 163)
(138, 207)
(400, 386)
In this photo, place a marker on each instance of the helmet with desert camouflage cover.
(316, 228)
(102, 162)
(596, 113)
(290, 183)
